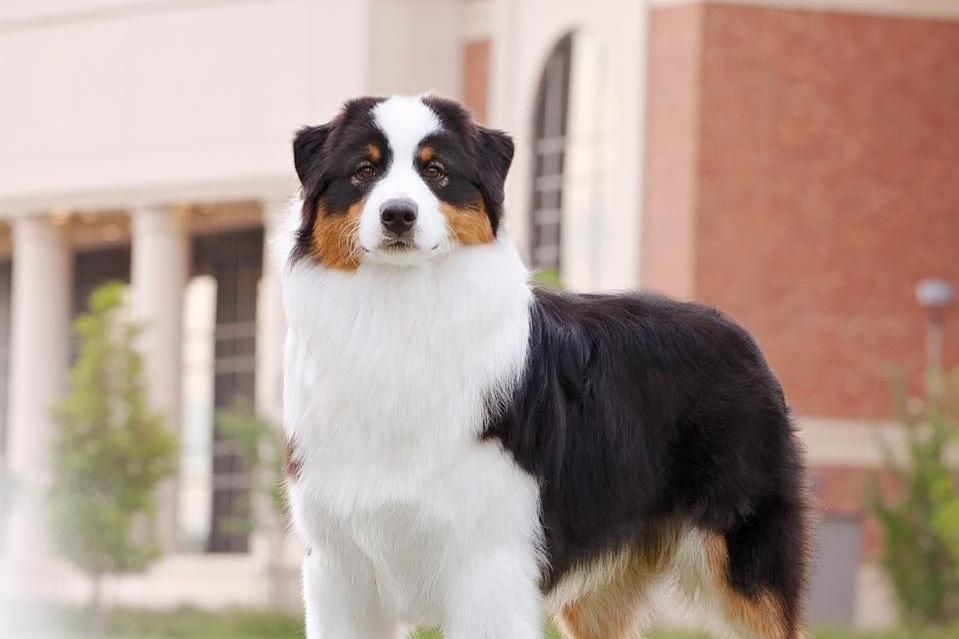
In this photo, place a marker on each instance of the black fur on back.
(637, 412)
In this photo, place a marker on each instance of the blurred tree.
(921, 521)
(109, 454)
(261, 446)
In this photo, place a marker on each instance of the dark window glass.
(93, 268)
(235, 260)
(549, 157)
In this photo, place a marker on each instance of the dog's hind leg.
(750, 579)
(613, 600)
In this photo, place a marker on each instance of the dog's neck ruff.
(393, 370)
(468, 292)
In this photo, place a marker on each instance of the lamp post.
(935, 296)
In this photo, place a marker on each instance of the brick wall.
(476, 65)
(819, 179)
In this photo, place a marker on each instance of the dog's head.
(398, 180)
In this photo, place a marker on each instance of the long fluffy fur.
(468, 451)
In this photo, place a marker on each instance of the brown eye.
(365, 171)
(434, 171)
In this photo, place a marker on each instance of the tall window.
(234, 261)
(549, 157)
(94, 267)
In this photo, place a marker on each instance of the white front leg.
(496, 597)
(342, 601)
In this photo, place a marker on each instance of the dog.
(470, 452)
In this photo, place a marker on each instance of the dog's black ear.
(308, 156)
(495, 158)
(497, 151)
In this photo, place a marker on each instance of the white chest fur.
(389, 377)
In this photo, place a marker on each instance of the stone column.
(269, 543)
(159, 269)
(39, 354)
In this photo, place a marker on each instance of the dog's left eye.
(365, 171)
(434, 171)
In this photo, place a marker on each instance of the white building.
(149, 141)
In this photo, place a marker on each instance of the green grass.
(188, 623)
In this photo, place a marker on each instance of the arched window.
(572, 124)
(549, 155)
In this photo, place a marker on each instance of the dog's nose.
(398, 216)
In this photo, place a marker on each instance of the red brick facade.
(845, 492)
(808, 164)
(476, 63)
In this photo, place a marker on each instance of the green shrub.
(920, 555)
(260, 446)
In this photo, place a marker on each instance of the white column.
(40, 338)
(268, 544)
(159, 267)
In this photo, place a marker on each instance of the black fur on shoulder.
(637, 412)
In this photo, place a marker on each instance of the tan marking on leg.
(336, 238)
(762, 614)
(470, 226)
(703, 570)
(613, 601)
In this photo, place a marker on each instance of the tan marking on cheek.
(336, 242)
(426, 155)
(469, 226)
(373, 153)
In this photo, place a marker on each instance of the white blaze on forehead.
(405, 121)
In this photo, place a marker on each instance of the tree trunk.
(98, 613)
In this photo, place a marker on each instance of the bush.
(921, 556)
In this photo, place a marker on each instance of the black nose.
(398, 216)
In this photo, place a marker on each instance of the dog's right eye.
(364, 171)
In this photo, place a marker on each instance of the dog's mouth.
(397, 244)
(399, 248)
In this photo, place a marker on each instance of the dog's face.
(399, 181)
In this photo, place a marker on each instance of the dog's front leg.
(341, 600)
(496, 597)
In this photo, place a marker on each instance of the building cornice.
(266, 187)
(478, 16)
(942, 9)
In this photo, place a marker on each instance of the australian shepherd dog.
(470, 452)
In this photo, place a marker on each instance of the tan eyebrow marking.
(426, 154)
(373, 153)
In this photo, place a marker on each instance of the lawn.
(194, 624)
